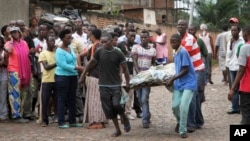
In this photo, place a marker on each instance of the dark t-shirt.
(109, 66)
(95, 71)
(126, 49)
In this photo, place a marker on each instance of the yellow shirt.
(48, 75)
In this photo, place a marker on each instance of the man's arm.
(126, 73)
(135, 61)
(90, 66)
(212, 43)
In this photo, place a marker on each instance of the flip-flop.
(116, 134)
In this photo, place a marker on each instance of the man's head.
(192, 30)
(131, 36)
(107, 40)
(235, 30)
(78, 24)
(91, 27)
(175, 41)
(225, 27)
(144, 38)
(43, 30)
(246, 33)
(21, 25)
(158, 31)
(95, 35)
(182, 26)
(12, 23)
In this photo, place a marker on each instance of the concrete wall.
(14, 10)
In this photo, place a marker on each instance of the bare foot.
(116, 134)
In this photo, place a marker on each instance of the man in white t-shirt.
(143, 56)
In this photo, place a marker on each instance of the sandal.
(93, 126)
(116, 134)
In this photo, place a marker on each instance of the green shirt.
(202, 46)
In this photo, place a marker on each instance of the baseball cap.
(14, 28)
(234, 20)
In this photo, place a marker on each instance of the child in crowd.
(47, 59)
(184, 85)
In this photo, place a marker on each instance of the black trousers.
(110, 98)
(245, 108)
(48, 89)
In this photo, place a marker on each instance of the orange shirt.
(13, 65)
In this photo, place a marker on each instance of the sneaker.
(118, 117)
(75, 125)
(43, 124)
(21, 120)
(130, 117)
(64, 126)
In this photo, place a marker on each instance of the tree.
(216, 13)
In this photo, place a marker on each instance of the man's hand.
(230, 95)
(170, 81)
(127, 88)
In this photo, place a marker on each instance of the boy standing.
(184, 85)
(47, 59)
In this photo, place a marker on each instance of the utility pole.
(191, 12)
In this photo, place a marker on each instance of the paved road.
(216, 126)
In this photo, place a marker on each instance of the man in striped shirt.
(195, 117)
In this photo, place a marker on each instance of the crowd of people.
(76, 73)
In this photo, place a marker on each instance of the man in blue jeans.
(143, 56)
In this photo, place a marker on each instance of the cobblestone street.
(216, 126)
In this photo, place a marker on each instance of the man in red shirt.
(195, 117)
(243, 78)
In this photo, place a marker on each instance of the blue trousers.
(235, 99)
(180, 105)
(195, 116)
(66, 94)
(143, 97)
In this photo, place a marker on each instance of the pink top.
(161, 50)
